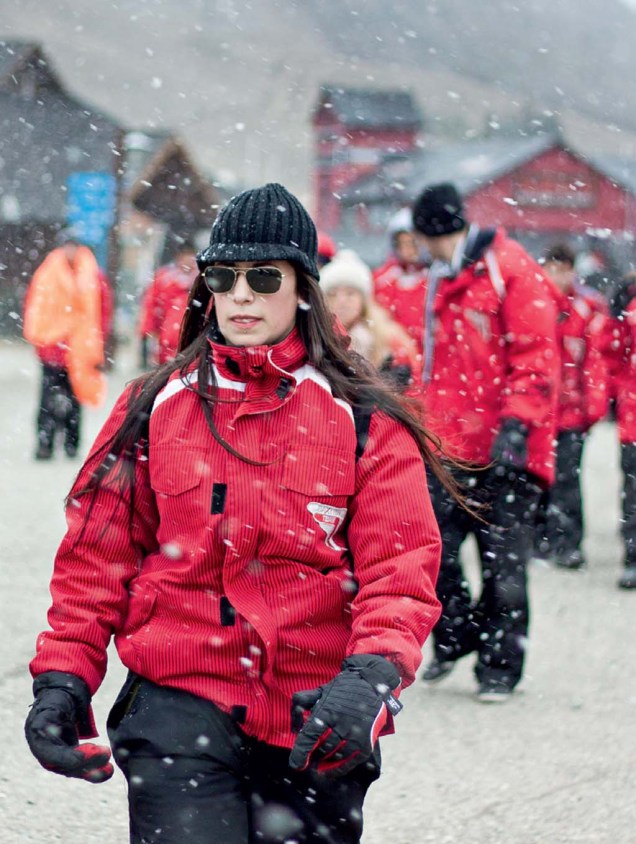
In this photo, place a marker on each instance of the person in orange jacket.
(253, 527)
(68, 313)
(583, 401)
(490, 383)
(165, 300)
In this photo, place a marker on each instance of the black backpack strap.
(362, 420)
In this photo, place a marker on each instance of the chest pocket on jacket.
(182, 481)
(325, 478)
(317, 471)
(172, 472)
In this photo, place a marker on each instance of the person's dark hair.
(397, 234)
(351, 377)
(561, 253)
(439, 211)
(185, 246)
(622, 295)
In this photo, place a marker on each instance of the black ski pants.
(495, 625)
(58, 409)
(194, 776)
(560, 525)
(628, 496)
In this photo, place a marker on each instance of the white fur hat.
(346, 269)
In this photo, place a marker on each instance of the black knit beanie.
(438, 210)
(263, 224)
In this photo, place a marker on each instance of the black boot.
(628, 578)
(44, 451)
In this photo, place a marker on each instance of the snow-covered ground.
(555, 764)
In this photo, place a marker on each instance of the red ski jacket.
(624, 373)
(163, 306)
(492, 353)
(244, 583)
(582, 331)
(400, 290)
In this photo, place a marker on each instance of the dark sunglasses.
(261, 279)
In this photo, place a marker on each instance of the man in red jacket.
(491, 373)
(165, 301)
(582, 402)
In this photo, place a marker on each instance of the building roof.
(622, 171)
(162, 180)
(469, 165)
(16, 55)
(370, 108)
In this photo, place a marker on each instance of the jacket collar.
(467, 252)
(258, 363)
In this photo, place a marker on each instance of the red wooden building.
(355, 132)
(537, 187)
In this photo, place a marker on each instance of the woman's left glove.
(346, 715)
(60, 707)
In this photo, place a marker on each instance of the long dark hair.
(350, 376)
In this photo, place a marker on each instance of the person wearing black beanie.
(225, 530)
(264, 224)
(438, 211)
(490, 376)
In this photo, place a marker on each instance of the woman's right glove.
(60, 707)
(346, 715)
(510, 448)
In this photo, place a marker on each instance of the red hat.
(326, 246)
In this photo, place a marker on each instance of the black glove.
(398, 376)
(346, 716)
(510, 448)
(622, 296)
(51, 729)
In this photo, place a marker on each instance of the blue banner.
(91, 208)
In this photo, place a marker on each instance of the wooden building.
(165, 201)
(131, 196)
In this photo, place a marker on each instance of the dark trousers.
(628, 496)
(194, 776)
(495, 625)
(58, 409)
(560, 518)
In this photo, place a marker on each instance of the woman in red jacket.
(348, 285)
(253, 527)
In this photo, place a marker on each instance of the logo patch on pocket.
(329, 519)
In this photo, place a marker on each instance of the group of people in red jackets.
(520, 360)
(595, 337)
